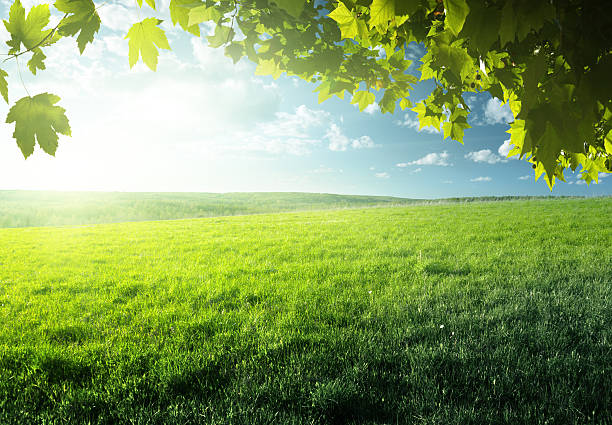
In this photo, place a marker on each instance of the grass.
(481, 313)
(35, 208)
(38, 208)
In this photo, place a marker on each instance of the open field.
(438, 314)
(39, 208)
(32, 208)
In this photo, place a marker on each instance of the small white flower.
(441, 326)
(370, 292)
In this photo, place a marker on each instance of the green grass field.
(39, 208)
(480, 313)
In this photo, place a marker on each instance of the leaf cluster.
(550, 61)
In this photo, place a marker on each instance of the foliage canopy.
(551, 61)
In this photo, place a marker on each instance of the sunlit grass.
(449, 314)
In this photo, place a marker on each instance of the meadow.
(46, 208)
(466, 313)
(41, 208)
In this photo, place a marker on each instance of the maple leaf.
(381, 12)
(82, 18)
(347, 21)
(292, 7)
(143, 38)
(37, 119)
(456, 13)
(179, 13)
(363, 99)
(27, 31)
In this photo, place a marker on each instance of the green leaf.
(507, 28)
(381, 12)
(4, 85)
(456, 13)
(607, 141)
(143, 38)
(36, 62)
(481, 27)
(405, 103)
(27, 31)
(549, 148)
(235, 51)
(203, 13)
(387, 103)
(223, 35)
(363, 99)
(456, 125)
(82, 18)
(268, 67)
(292, 7)
(179, 13)
(151, 3)
(38, 120)
(456, 59)
(347, 21)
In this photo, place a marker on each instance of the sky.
(202, 124)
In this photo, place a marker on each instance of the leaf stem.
(20, 76)
(16, 55)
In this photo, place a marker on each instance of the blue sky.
(202, 124)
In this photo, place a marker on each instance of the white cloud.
(604, 175)
(440, 159)
(496, 113)
(414, 51)
(505, 148)
(117, 17)
(323, 170)
(580, 182)
(339, 142)
(481, 179)
(364, 142)
(416, 170)
(411, 121)
(287, 133)
(382, 175)
(371, 108)
(484, 155)
(526, 177)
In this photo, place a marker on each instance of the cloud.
(484, 155)
(382, 175)
(481, 179)
(371, 108)
(411, 121)
(323, 170)
(505, 149)
(364, 142)
(604, 175)
(339, 142)
(287, 133)
(496, 113)
(439, 159)
(117, 17)
(415, 51)
(416, 170)
(526, 177)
